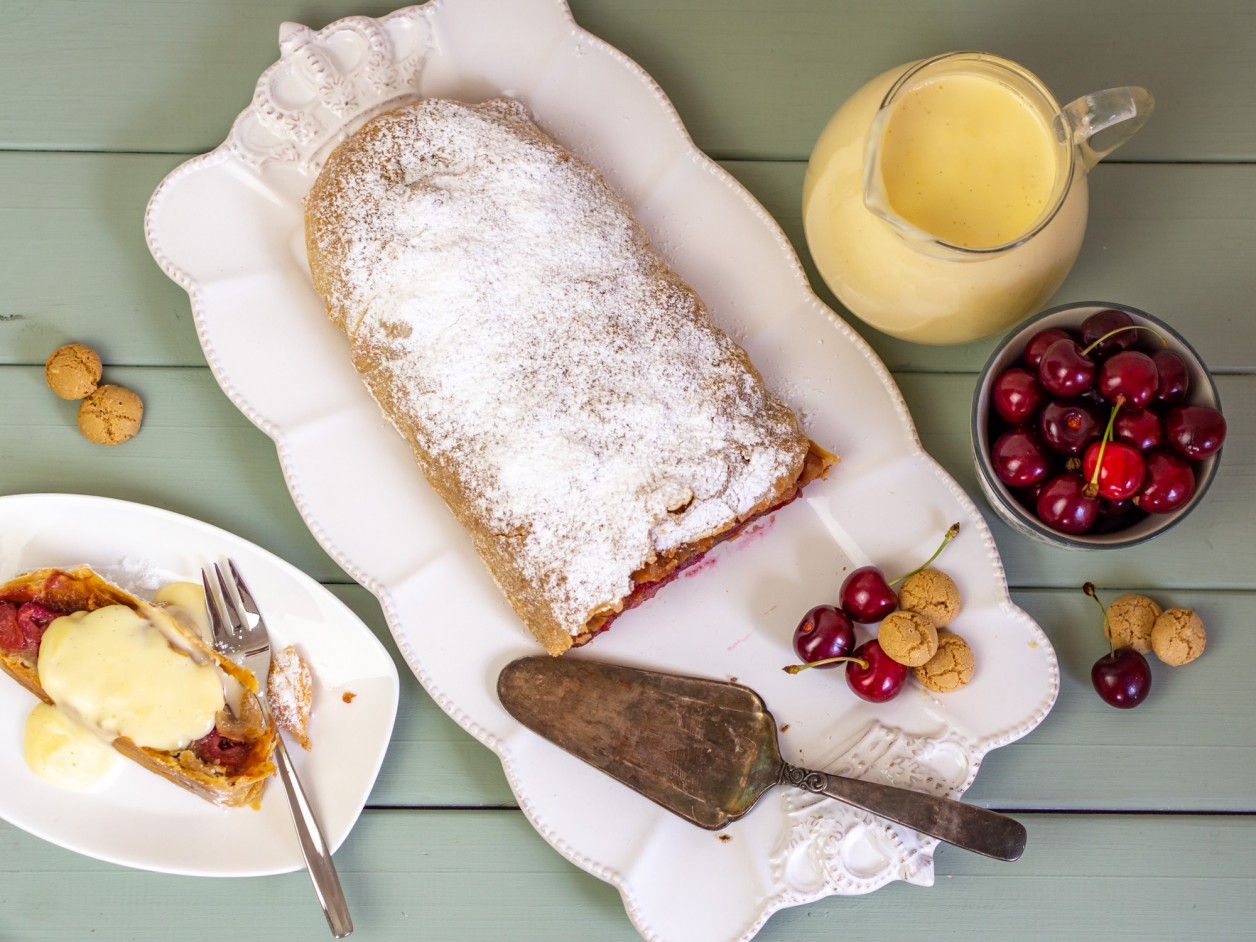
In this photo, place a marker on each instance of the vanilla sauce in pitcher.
(947, 199)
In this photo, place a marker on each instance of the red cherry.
(824, 632)
(1121, 473)
(875, 676)
(1019, 458)
(1064, 505)
(1128, 374)
(865, 595)
(1039, 342)
(1097, 326)
(1195, 432)
(1065, 370)
(1122, 678)
(1140, 428)
(1016, 395)
(1115, 508)
(1175, 378)
(1168, 483)
(1069, 426)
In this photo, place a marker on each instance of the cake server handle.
(956, 822)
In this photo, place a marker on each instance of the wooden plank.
(1158, 756)
(443, 875)
(195, 451)
(195, 454)
(77, 266)
(1161, 238)
(751, 80)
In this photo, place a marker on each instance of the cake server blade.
(706, 750)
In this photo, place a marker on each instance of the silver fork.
(241, 635)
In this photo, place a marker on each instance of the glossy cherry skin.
(1104, 322)
(1019, 458)
(1121, 474)
(824, 632)
(1064, 506)
(1175, 378)
(1038, 344)
(1064, 371)
(1128, 374)
(1122, 678)
(1068, 426)
(865, 595)
(1140, 428)
(1168, 483)
(883, 677)
(1016, 395)
(1115, 508)
(1194, 432)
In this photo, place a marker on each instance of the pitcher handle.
(1101, 122)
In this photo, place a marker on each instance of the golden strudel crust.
(561, 388)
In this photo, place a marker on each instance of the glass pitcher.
(947, 199)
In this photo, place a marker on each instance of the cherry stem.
(1113, 333)
(951, 534)
(1092, 489)
(795, 668)
(1089, 589)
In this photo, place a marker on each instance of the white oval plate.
(228, 227)
(139, 819)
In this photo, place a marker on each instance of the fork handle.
(313, 846)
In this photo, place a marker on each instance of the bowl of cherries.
(1095, 425)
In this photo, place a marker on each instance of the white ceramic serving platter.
(137, 818)
(228, 227)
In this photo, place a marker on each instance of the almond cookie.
(1130, 619)
(908, 637)
(931, 593)
(72, 371)
(1178, 636)
(950, 668)
(110, 415)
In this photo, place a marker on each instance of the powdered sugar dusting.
(289, 693)
(562, 387)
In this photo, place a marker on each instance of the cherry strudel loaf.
(562, 389)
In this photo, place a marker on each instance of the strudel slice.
(562, 389)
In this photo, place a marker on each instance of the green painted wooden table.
(1141, 824)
